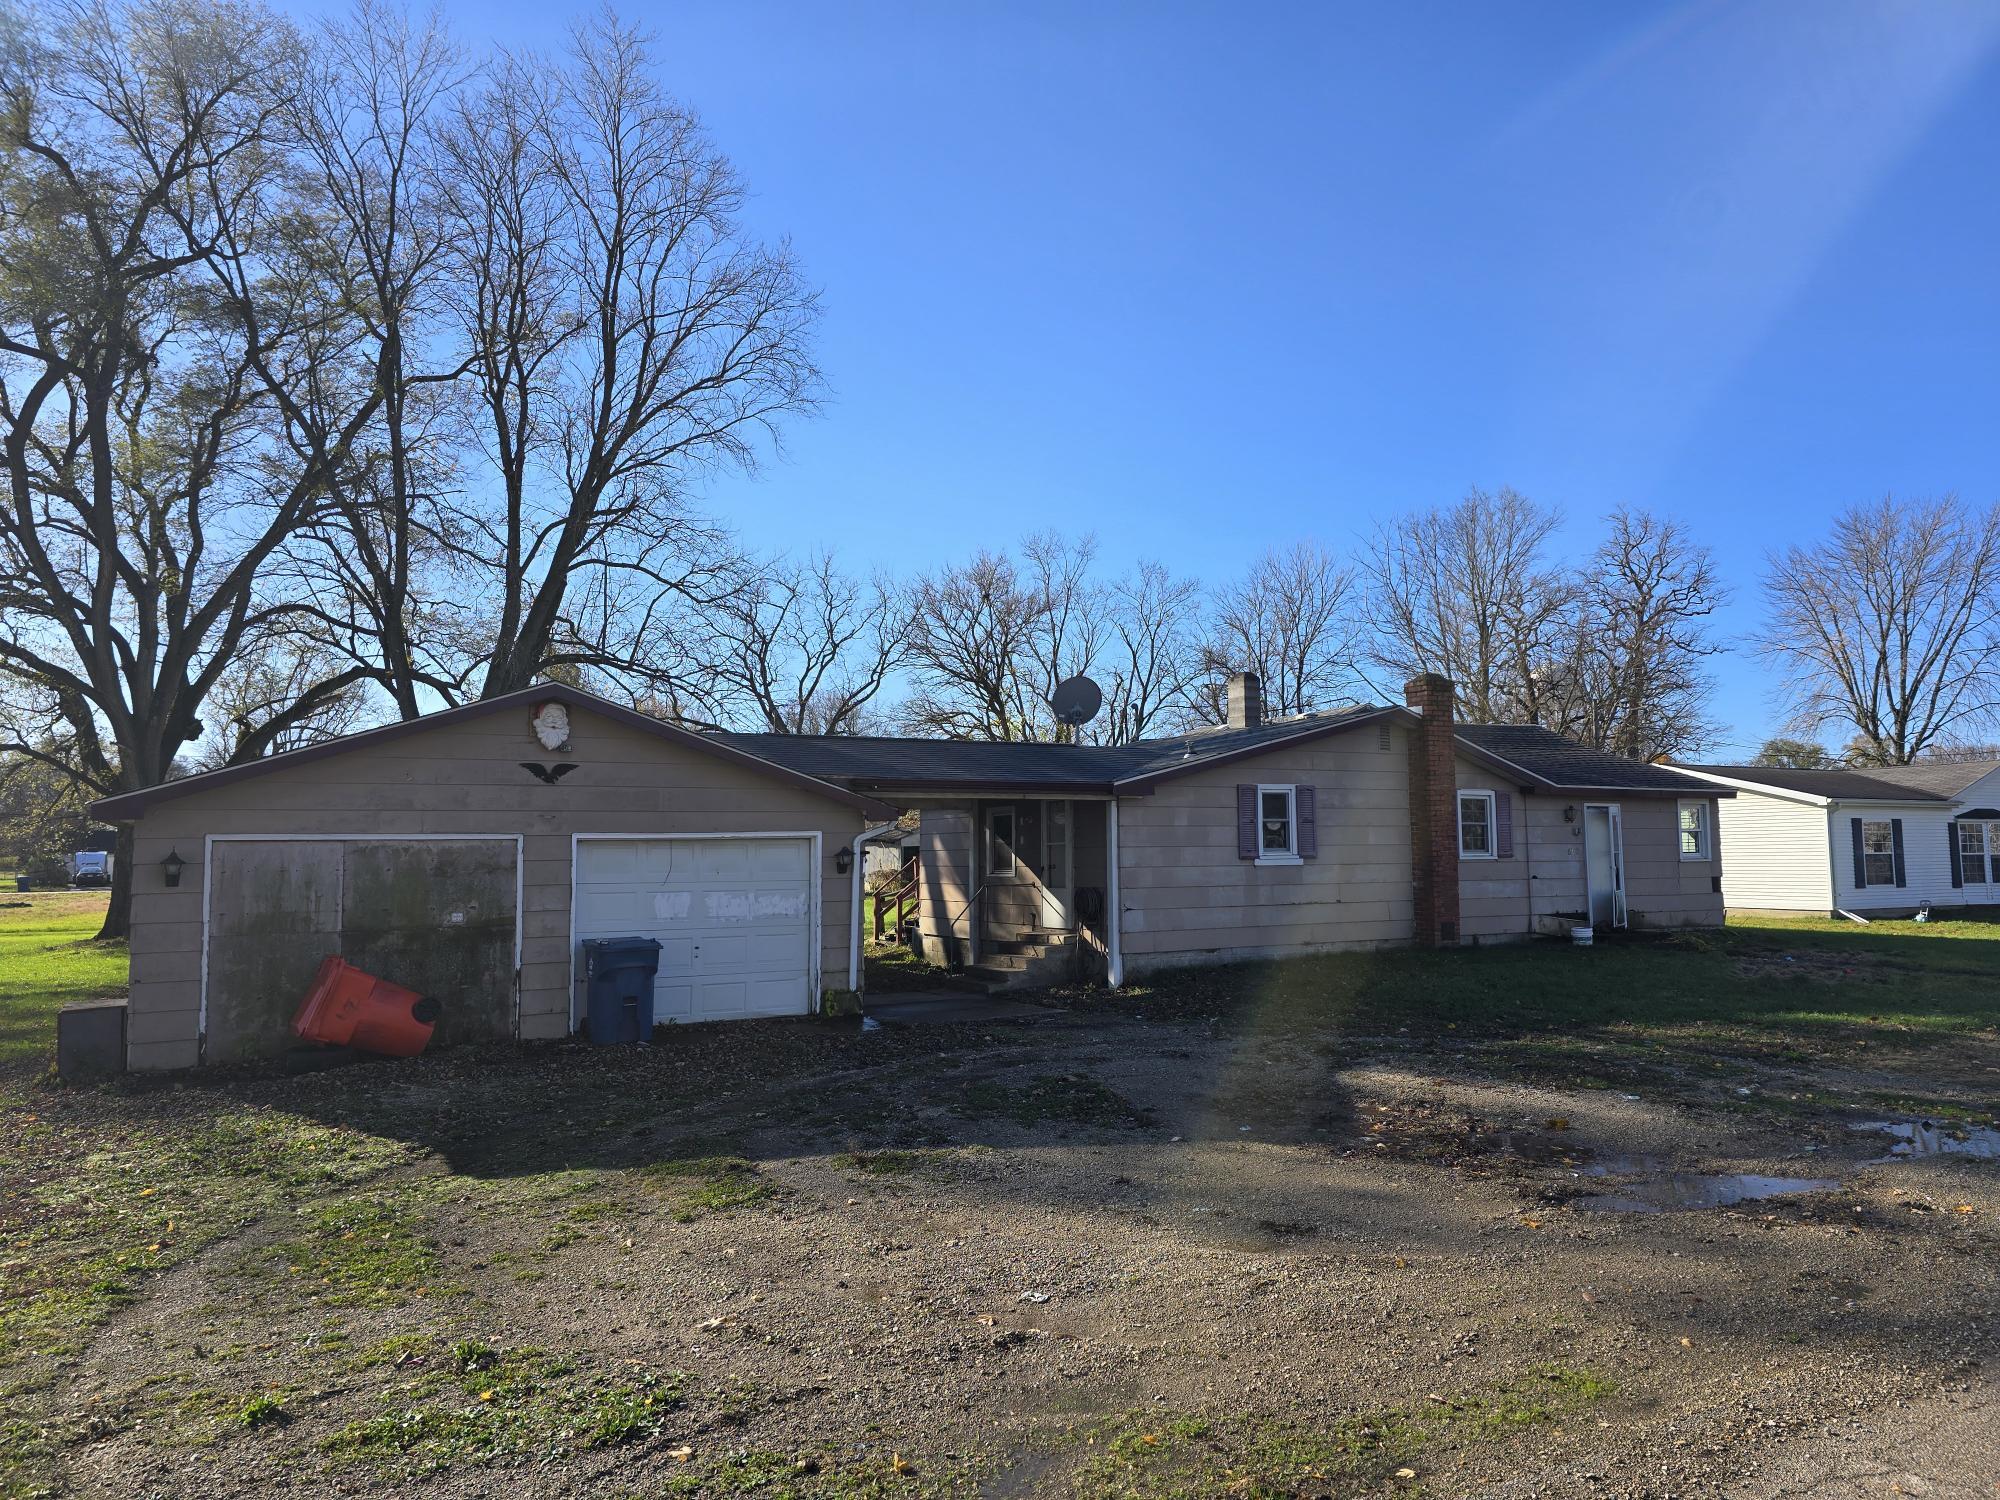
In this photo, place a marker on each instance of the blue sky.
(1205, 278)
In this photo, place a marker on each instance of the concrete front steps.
(1033, 961)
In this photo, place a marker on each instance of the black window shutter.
(1860, 864)
(1246, 822)
(1896, 840)
(1503, 825)
(1951, 848)
(1305, 804)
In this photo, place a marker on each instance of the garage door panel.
(273, 914)
(780, 951)
(734, 917)
(437, 916)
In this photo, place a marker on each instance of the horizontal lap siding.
(462, 779)
(1493, 893)
(1777, 857)
(945, 882)
(1926, 860)
(1661, 888)
(1184, 895)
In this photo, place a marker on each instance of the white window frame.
(1289, 855)
(1492, 849)
(1979, 832)
(1888, 851)
(994, 846)
(1702, 822)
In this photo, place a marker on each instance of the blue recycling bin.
(618, 976)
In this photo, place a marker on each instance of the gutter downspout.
(1114, 970)
(866, 835)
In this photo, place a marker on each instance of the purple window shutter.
(1246, 822)
(1306, 805)
(1503, 824)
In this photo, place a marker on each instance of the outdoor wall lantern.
(843, 859)
(171, 867)
(1569, 813)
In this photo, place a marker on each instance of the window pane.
(1877, 838)
(1472, 825)
(1276, 822)
(1694, 829)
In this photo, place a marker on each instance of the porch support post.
(1114, 974)
(860, 847)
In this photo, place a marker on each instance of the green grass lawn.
(48, 960)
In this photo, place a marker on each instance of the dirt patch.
(1118, 1257)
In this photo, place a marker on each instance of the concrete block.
(90, 1040)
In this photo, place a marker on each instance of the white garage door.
(734, 917)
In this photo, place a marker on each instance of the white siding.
(1777, 854)
(1985, 792)
(1926, 861)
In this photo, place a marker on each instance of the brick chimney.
(1246, 701)
(1433, 811)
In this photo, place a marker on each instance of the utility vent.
(1384, 737)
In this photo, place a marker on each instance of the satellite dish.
(1076, 701)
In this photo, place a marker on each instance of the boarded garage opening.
(737, 918)
(437, 916)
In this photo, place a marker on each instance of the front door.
(1057, 868)
(1604, 864)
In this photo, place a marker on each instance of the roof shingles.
(1932, 781)
(1539, 755)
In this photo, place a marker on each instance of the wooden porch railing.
(903, 897)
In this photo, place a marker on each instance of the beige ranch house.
(470, 853)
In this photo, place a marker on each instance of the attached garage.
(735, 916)
(467, 855)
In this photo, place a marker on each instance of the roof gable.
(129, 805)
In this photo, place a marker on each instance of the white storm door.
(733, 916)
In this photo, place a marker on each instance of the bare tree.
(252, 710)
(1891, 625)
(1467, 591)
(1067, 626)
(971, 627)
(807, 646)
(1647, 600)
(625, 337)
(1292, 620)
(1151, 662)
(368, 105)
(146, 289)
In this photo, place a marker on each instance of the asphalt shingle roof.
(886, 761)
(1934, 781)
(1548, 757)
(869, 762)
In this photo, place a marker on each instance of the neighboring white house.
(1884, 840)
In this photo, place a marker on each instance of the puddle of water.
(1656, 1191)
(1930, 1138)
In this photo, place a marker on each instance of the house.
(1262, 838)
(1884, 840)
(468, 853)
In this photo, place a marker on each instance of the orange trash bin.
(348, 1007)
